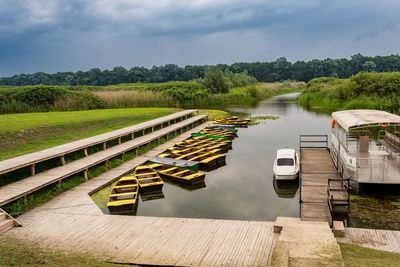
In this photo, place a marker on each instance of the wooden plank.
(315, 212)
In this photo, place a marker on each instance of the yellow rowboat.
(203, 144)
(123, 195)
(148, 179)
(215, 141)
(178, 174)
(185, 150)
(229, 135)
(206, 160)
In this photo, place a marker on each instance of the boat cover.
(190, 165)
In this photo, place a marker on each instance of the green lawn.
(17, 253)
(358, 256)
(29, 132)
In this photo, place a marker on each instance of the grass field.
(17, 253)
(357, 256)
(29, 132)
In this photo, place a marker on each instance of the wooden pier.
(315, 171)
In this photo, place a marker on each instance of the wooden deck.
(58, 151)
(316, 168)
(73, 222)
(371, 238)
(28, 185)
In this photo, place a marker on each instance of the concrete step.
(281, 222)
(6, 225)
(305, 243)
(338, 229)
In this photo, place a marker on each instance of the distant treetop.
(278, 70)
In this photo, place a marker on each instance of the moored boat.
(286, 164)
(184, 164)
(203, 144)
(186, 150)
(178, 174)
(218, 137)
(206, 160)
(123, 195)
(228, 134)
(148, 179)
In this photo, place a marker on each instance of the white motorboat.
(286, 164)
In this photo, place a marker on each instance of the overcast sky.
(71, 35)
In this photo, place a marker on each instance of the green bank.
(362, 91)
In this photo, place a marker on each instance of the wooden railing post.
(32, 167)
(85, 174)
(62, 158)
(85, 151)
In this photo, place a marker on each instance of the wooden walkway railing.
(33, 183)
(61, 150)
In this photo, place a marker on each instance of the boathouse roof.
(350, 119)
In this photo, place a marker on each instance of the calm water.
(244, 189)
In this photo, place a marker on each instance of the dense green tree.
(278, 70)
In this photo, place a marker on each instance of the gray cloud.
(57, 35)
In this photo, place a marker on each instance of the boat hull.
(286, 177)
(122, 208)
(152, 188)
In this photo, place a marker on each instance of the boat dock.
(72, 222)
(317, 175)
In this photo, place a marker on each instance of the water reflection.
(286, 188)
(152, 195)
(188, 187)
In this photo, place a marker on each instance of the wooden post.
(187, 128)
(25, 201)
(62, 158)
(148, 146)
(85, 151)
(137, 151)
(59, 185)
(119, 140)
(175, 121)
(106, 163)
(104, 145)
(32, 169)
(143, 132)
(123, 156)
(167, 137)
(181, 130)
(152, 129)
(85, 174)
(132, 136)
(169, 123)
(158, 141)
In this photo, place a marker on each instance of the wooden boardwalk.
(73, 222)
(316, 168)
(371, 238)
(28, 185)
(59, 151)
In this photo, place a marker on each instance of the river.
(245, 189)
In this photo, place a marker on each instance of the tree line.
(278, 70)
